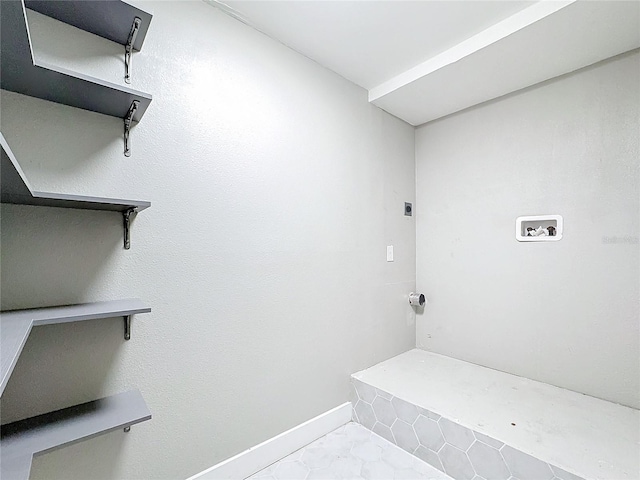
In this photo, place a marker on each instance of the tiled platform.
(446, 445)
(473, 422)
(350, 452)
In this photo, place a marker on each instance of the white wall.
(565, 312)
(275, 188)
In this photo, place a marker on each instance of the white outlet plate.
(389, 253)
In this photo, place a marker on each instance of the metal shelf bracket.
(127, 327)
(127, 126)
(126, 218)
(128, 49)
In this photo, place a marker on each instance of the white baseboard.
(261, 456)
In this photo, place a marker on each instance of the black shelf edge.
(23, 440)
(16, 325)
(15, 189)
(110, 19)
(22, 73)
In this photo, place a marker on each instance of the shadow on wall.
(96, 147)
(56, 360)
(51, 41)
(72, 247)
(80, 459)
(53, 256)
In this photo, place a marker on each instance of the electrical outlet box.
(408, 209)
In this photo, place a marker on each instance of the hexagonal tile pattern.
(429, 456)
(456, 463)
(444, 444)
(365, 392)
(405, 411)
(384, 395)
(353, 395)
(354, 415)
(455, 434)
(492, 442)
(488, 462)
(365, 414)
(384, 411)
(369, 457)
(384, 432)
(428, 413)
(405, 436)
(525, 467)
(429, 433)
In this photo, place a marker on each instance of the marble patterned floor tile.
(351, 452)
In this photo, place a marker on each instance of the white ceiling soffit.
(421, 60)
(516, 53)
(370, 42)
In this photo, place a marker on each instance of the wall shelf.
(106, 18)
(23, 440)
(23, 73)
(16, 325)
(14, 188)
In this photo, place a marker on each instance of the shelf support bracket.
(126, 218)
(127, 327)
(127, 126)
(128, 49)
(127, 429)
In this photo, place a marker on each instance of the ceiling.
(421, 60)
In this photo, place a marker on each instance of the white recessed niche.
(539, 228)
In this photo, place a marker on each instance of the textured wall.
(565, 312)
(275, 188)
